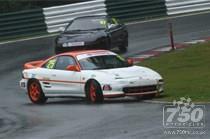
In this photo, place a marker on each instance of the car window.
(63, 62)
(103, 62)
(90, 63)
(50, 64)
(87, 24)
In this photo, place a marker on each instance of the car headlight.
(160, 85)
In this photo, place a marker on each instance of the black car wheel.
(149, 96)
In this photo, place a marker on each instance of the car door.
(116, 31)
(58, 79)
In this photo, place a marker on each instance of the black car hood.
(84, 36)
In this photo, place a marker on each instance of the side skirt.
(65, 95)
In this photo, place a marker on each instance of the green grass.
(186, 72)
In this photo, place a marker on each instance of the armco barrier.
(129, 10)
(175, 7)
(50, 19)
(22, 23)
(60, 16)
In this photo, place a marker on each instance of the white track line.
(164, 49)
(27, 39)
(143, 56)
(195, 41)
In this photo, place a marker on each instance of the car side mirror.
(73, 68)
(111, 26)
(61, 29)
(130, 62)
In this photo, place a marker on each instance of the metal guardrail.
(130, 10)
(60, 16)
(180, 6)
(22, 23)
(50, 19)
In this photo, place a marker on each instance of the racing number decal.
(51, 64)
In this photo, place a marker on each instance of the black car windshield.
(87, 24)
(103, 62)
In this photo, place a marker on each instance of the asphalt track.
(73, 118)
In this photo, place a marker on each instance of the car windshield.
(87, 24)
(103, 62)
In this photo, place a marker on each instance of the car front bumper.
(87, 46)
(135, 89)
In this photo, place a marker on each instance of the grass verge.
(186, 72)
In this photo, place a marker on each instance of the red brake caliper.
(92, 92)
(34, 91)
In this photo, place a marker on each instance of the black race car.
(92, 32)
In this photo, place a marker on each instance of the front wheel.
(93, 92)
(149, 96)
(35, 92)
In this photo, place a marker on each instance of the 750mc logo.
(184, 114)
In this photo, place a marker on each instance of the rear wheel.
(124, 47)
(138, 98)
(35, 92)
(93, 92)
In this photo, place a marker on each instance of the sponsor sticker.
(84, 56)
(51, 64)
(121, 58)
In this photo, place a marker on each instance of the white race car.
(94, 74)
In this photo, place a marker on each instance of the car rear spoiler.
(33, 64)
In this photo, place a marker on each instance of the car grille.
(140, 89)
